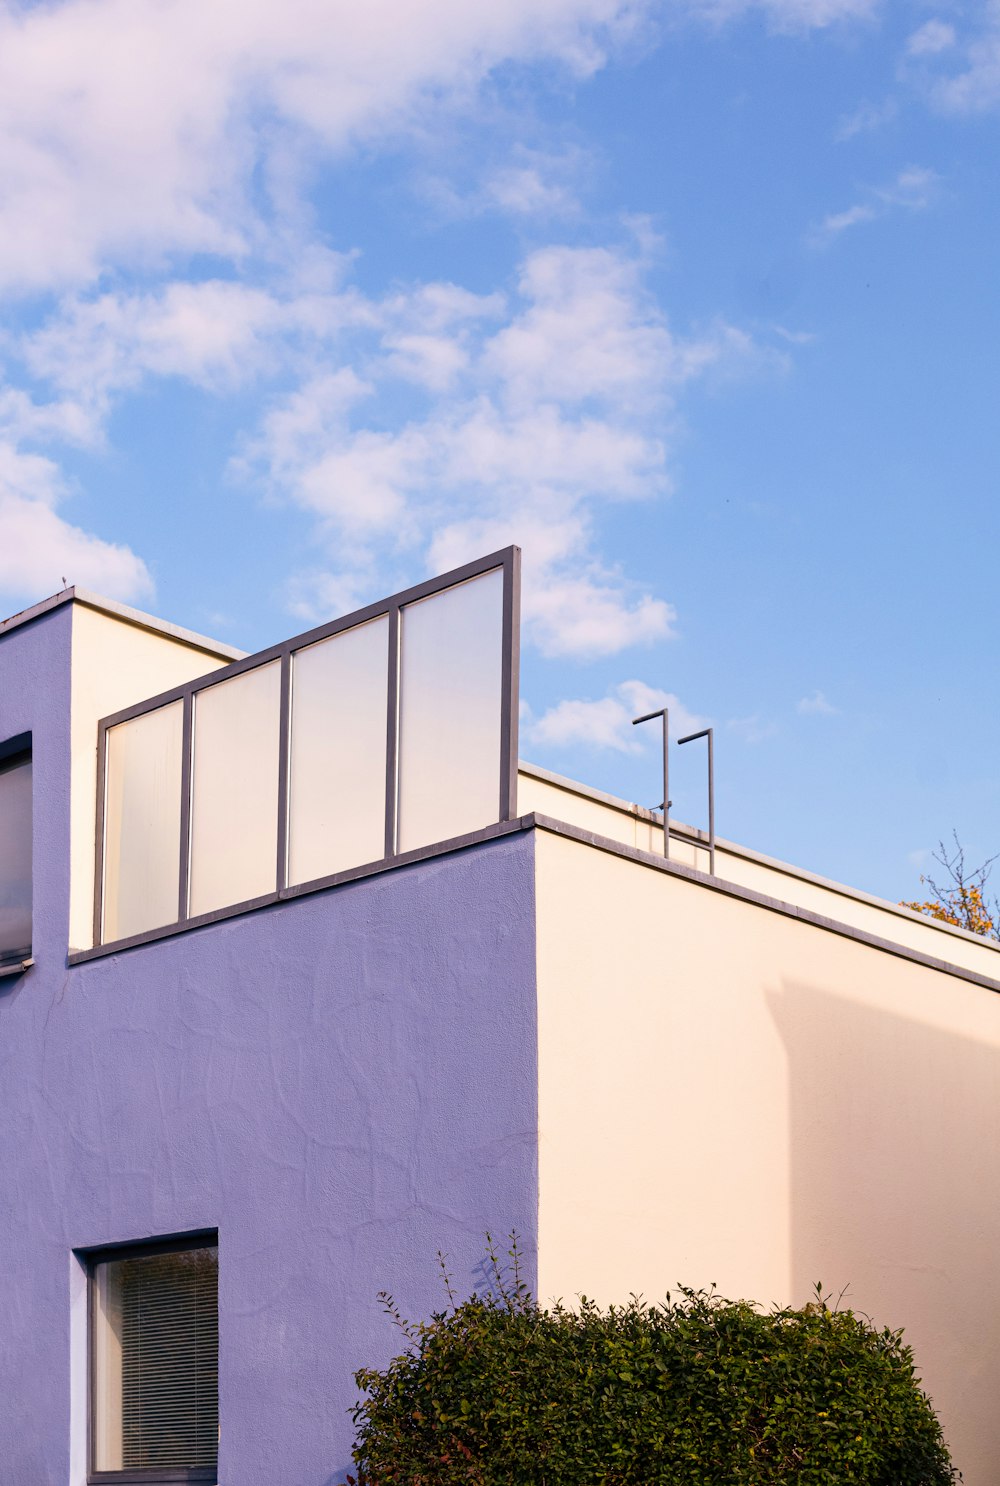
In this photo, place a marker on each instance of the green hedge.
(697, 1391)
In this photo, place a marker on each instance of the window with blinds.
(156, 1364)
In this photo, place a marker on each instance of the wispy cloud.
(975, 87)
(866, 118)
(794, 15)
(913, 190)
(816, 705)
(606, 723)
(524, 182)
(753, 729)
(930, 39)
(794, 337)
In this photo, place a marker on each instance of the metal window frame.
(507, 561)
(13, 753)
(108, 1253)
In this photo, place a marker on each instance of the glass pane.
(451, 666)
(142, 815)
(234, 810)
(337, 753)
(156, 1361)
(15, 860)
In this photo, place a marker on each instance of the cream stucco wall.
(545, 793)
(732, 1095)
(115, 663)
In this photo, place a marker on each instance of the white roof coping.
(128, 615)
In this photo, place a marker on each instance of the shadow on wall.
(894, 1134)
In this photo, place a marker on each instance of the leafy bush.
(697, 1391)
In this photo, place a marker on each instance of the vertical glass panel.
(234, 794)
(451, 671)
(156, 1361)
(337, 752)
(15, 859)
(142, 822)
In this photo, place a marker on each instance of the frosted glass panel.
(15, 859)
(450, 693)
(337, 758)
(234, 804)
(142, 813)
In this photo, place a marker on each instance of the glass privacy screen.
(339, 725)
(451, 664)
(142, 816)
(234, 794)
(379, 734)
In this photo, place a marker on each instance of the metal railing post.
(710, 735)
(663, 712)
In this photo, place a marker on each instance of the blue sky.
(698, 303)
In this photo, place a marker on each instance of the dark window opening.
(15, 849)
(155, 1363)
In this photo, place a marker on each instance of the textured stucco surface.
(342, 1085)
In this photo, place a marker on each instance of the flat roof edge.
(127, 614)
(731, 848)
(758, 899)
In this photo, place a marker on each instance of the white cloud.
(65, 420)
(524, 191)
(215, 334)
(913, 190)
(838, 222)
(930, 39)
(533, 412)
(583, 616)
(135, 129)
(38, 549)
(975, 88)
(538, 413)
(816, 705)
(588, 332)
(607, 722)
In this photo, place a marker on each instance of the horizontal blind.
(170, 1359)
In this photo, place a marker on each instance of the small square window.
(15, 849)
(154, 1373)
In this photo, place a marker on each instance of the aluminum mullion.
(510, 683)
(392, 735)
(284, 731)
(99, 835)
(184, 868)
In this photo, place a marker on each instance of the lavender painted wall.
(342, 1085)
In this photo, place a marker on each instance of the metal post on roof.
(663, 712)
(691, 737)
